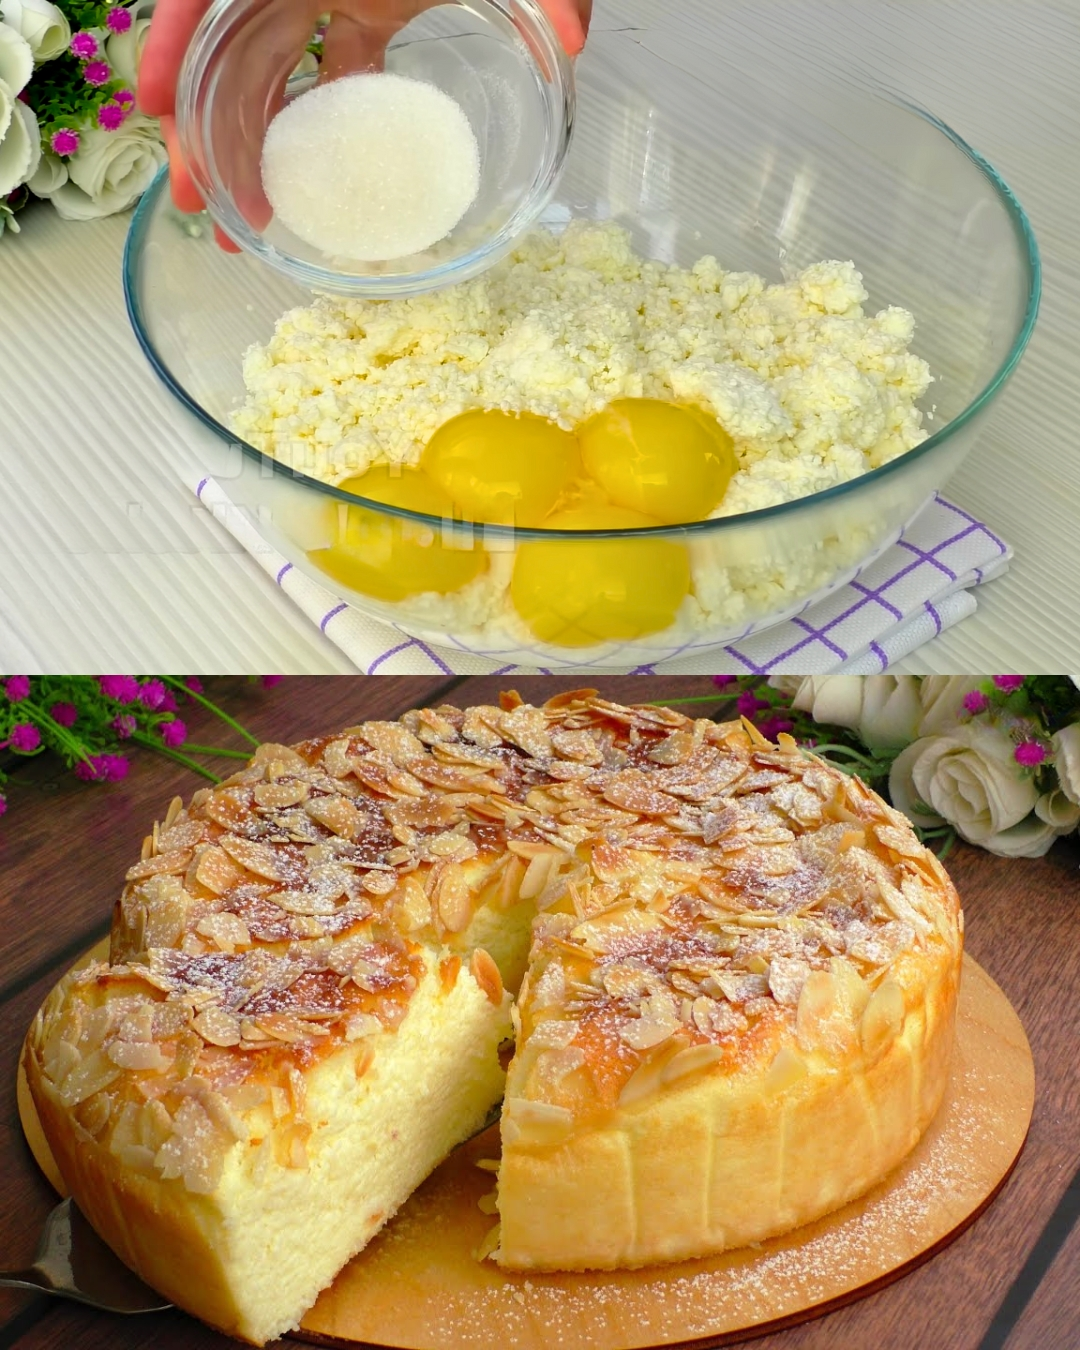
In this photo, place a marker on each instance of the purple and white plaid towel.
(914, 591)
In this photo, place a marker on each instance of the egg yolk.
(578, 593)
(502, 468)
(390, 558)
(669, 460)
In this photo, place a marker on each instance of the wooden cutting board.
(417, 1286)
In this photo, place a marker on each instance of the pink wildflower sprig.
(89, 722)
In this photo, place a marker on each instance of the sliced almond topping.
(276, 795)
(217, 1027)
(486, 974)
(882, 1019)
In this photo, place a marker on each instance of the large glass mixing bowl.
(768, 177)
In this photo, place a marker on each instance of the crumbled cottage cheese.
(813, 391)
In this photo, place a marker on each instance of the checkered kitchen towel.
(914, 591)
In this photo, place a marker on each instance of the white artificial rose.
(884, 710)
(110, 170)
(788, 684)
(16, 60)
(50, 174)
(1031, 838)
(891, 713)
(943, 701)
(1059, 811)
(835, 699)
(123, 51)
(20, 140)
(44, 27)
(968, 778)
(1066, 747)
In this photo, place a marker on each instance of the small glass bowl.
(501, 60)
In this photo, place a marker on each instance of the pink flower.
(124, 725)
(1029, 754)
(114, 767)
(268, 681)
(123, 688)
(102, 769)
(18, 688)
(168, 703)
(25, 738)
(3, 805)
(125, 98)
(84, 45)
(110, 116)
(976, 702)
(64, 714)
(97, 73)
(194, 684)
(152, 694)
(64, 141)
(1008, 684)
(723, 681)
(173, 733)
(771, 727)
(748, 703)
(118, 20)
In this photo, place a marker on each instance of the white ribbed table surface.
(105, 561)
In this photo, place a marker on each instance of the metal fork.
(71, 1261)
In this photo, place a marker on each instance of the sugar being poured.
(371, 167)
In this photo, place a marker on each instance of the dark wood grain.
(63, 850)
(1052, 1317)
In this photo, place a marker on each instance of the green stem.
(678, 702)
(876, 766)
(216, 750)
(70, 743)
(142, 739)
(229, 721)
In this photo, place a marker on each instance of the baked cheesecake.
(729, 970)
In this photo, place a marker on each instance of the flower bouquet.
(993, 759)
(91, 722)
(69, 129)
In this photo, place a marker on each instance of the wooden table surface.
(1011, 1282)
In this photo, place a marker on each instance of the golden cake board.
(418, 1285)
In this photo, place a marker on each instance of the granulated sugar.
(371, 167)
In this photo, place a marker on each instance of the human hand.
(356, 40)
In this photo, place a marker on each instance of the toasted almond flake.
(882, 1018)
(337, 814)
(455, 901)
(692, 1060)
(361, 1025)
(490, 1245)
(277, 795)
(261, 859)
(488, 1204)
(217, 1027)
(175, 807)
(175, 861)
(787, 1069)
(536, 1124)
(225, 930)
(138, 1055)
(486, 974)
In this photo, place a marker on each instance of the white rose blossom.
(44, 27)
(20, 136)
(110, 169)
(884, 710)
(969, 779)
(942, 698)
(1065, 745)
